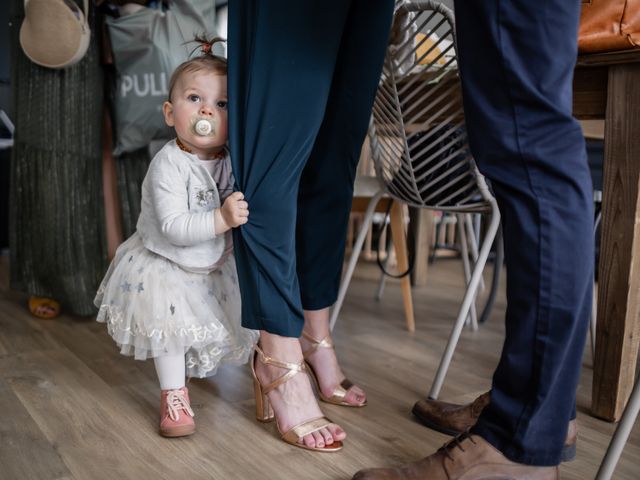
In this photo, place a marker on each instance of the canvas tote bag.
(147, 46)
(609, 25)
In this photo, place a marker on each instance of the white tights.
(171, 371)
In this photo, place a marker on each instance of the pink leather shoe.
(176, 416)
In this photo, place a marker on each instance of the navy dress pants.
(302, 78)
(516, 59)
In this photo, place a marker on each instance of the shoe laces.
(456, 442)
(176, 402)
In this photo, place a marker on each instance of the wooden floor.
(73, 408)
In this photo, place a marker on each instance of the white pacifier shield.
(203, 127)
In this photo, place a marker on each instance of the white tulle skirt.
(152, 307)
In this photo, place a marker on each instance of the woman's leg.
(324, 360)
(282, 55)
(326, 186)
(293, 402)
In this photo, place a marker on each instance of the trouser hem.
(541, 458)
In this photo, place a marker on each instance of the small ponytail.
(206, 45)
(207, 61)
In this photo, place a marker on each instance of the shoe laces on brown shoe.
(471, 457)
(456, 442)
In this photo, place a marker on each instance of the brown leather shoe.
(450, 418)
(453, 419)
(467, 457)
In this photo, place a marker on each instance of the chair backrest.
(417, 132)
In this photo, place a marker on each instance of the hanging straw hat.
(55, 33)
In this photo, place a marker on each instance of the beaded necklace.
(218, 156)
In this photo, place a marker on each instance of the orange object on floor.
(43, 307)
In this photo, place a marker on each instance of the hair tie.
(206, 45)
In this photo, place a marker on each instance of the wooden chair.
(368, 199)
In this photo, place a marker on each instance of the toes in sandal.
(43, 307)
(340, 392)
(265, 413)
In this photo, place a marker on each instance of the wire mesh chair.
(419, 143)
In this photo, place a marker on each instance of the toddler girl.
(171, 292)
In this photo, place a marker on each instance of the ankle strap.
(293, 369)
(315, 344)
(298, 367)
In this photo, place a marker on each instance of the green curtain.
(131, 169)
(57, 239)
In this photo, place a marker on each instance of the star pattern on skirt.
(172, 308)
(126, 287)
(140, 287)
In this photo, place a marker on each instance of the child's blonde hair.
(208, 61)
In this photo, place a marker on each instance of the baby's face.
(199, 99)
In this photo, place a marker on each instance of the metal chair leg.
(466, 302)
(594, 306)
(621, 435)
(355, 253)
(472, 317)
(473, 242)
(495, 279)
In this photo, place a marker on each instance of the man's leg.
(516, 62)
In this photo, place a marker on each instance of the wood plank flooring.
(73, 408)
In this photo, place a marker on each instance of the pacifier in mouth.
(203, 127)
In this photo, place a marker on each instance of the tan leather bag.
(55, 33)
(608, 25)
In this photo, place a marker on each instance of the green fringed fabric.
(130, 170)
(57, 239)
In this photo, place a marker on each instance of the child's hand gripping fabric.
(233, 213)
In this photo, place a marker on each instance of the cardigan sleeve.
(170, 199)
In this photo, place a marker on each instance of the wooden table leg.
(618, 326)
(400, 244)
(422, 231)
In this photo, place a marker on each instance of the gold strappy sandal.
(338, 394)
(264, 411)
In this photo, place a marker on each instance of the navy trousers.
(516, 59)
(302, 78)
